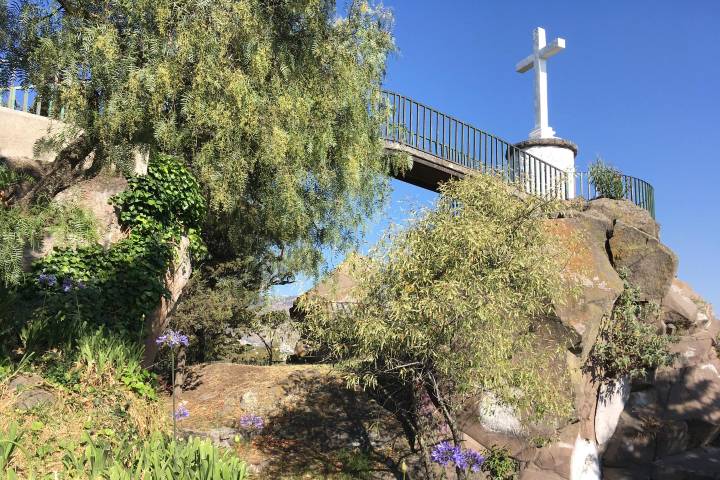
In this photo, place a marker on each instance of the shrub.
(627, 345)
(607, 180)
(499, 465)
(75, 290)
(448, 309)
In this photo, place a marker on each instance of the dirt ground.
(314, 426)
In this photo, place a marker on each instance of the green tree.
(450, 309)
(274, 106)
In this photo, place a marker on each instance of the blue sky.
(638, 84)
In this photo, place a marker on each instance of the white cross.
(538, 60)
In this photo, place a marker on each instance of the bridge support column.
(560, 154)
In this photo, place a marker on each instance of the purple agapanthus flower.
(443, 453)
(474, 460)
(181, 412)
(172, 339)
(252, 422)
(459, 458)
(49, 280)
(67, 284)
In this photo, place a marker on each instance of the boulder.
(590, 276)
(631, 473)
(556, 457)
(31, 392)
(625, 211)
(694, 392)
(691, 350)
(683, 311)
(92, 195)
(697, 464)
(634, 439)
(678, 305)
(651, 266)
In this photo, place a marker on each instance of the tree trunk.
(176, 278)
(65, 171)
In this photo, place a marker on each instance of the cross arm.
(552, 48)
(525, 64)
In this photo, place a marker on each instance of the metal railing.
(413, 124)
(26, 99)
(425, 129)
(638, 191)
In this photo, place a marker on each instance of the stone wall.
(20, 130)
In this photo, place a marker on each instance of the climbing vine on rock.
(76, 288)
(166, 201)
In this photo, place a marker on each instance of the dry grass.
(101, 408)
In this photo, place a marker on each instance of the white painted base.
(611, 403)
(559, 157)
(585, 461)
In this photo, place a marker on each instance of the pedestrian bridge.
(441, 146)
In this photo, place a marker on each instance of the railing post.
(26, 96)
(570, 190)
(11, 96)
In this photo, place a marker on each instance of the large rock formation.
(666, 425)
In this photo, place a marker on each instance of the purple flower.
(459, 459)
(474, 460)
(80, 285)
(444, 453)
(67, 284)
(172, 339)
(252, 422)
(47, 280)
(181, 413)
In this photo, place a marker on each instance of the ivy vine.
(167, 200)
(116, 287)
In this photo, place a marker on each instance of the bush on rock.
(450, 309)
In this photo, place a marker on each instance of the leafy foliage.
(607, 180)
(101, 359)
(628, 344)
(274, 107)
(499, 464)
(120, 286)
(10, 178)
(100, 451)
(166, 200)
(114, 287)
(429, 320)
(159, 458)
(21, 229)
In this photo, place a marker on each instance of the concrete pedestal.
(557, 152)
